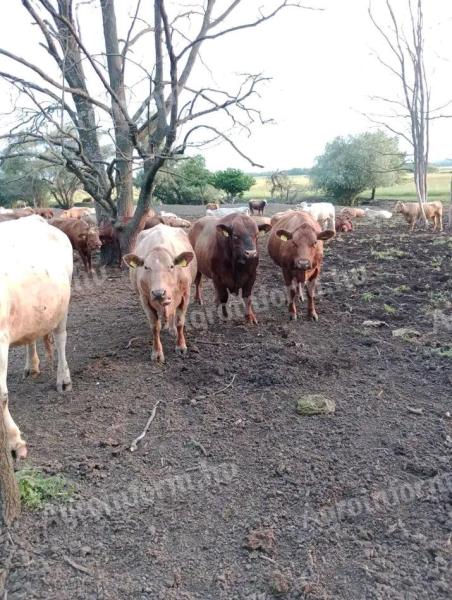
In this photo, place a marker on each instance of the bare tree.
(405, 44)
(63, 185)
(9, 492)
(150, 118)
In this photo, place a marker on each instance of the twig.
(134, 444)
(415, 411)
(198, 445)
(264, 556)
(129, 343)
(225, 387)
(76, 566)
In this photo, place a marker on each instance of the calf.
(35, 288)
(296, 245)
(258, 206)
(212, 206)
(83, 237)
(226, 250)
(411, 211)
(162, 269)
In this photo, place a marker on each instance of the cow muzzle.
(248, 254)
(161, 296)
(303, 264)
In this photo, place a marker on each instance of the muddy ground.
(227, 423)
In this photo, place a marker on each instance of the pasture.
(438, 184)
(266, 502)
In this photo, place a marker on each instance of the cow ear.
(133, 261)
(83, 236)
(326, 235)
(264, 228)
(224, 229)
(284, 235)
(184, 259)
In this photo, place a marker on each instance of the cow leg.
(250, 317)
(292, 287)
(15, 441)
(31, 361)
(64, 383)
(198, 286)
(89, 263)
(440, 221)
(310, 289)
(181, 344)
(157, 348)
(222, 298)
(300, 292)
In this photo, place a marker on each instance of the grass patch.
(389, 310)
(402, 289)
(443, 351)
(391, 254)
(368, 296)
(37, 489)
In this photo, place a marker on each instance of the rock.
(279, 584)
(315, 404)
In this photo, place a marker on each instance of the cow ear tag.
(225, 233)
(182, 263)
(283, 237)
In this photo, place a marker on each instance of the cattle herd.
(222, 246)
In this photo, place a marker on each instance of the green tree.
(23, 178)
(232, 181)
(356, 163)
(185, 181)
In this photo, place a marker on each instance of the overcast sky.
(322, 65)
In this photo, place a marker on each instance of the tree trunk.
(9, 491)
(372, 196)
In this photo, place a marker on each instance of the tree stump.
(9, 490)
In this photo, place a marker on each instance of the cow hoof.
(30, 372)
(251, 320)
(183, 350)
(199, 301)
(64, 386)
(314, 317)
(293, 316)
(158, 356)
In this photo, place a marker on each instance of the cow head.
(399, 207)
(240, 234)
(91, 238)
(159, 273)
(344, 226)
(305, 245)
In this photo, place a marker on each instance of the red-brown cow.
(226, 251)
(343, 225)
(296, 245)
(83, 237)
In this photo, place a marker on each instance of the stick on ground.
(134, 444)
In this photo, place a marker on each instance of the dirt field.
(353, 506)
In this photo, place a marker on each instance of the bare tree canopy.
(404, 43)
(80, 97)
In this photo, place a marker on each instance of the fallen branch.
(134, 444)
(76, 566)
(130, 342)
(198, 445)
(415, 411)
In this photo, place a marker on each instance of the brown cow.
(212, 206)
(83, 237)
(257, 205)
(162, 268)
(46, 213)
(412, 212)
(343, 224)
(226, 250)
(296, 245)
(166, 220)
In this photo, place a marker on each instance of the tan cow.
(162, 268)
(349, 212)
(35, 288)
(76, 212)
(412, 212)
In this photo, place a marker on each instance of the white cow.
(35, 288)
(223, 212)
(377, 214)
(322, 212)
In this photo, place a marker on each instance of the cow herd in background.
(163, 265)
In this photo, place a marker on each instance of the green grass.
(390, 254)
(438, 184)
(368, 296)
(37, 489)
(443, 351)
(389, 310)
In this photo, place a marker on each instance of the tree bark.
(9, 490)
(372, 196)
